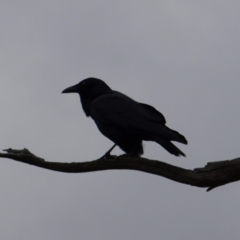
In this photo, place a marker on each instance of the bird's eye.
(83, 83)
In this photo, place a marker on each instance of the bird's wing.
(153, 112)
(118, 109)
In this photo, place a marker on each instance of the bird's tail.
(171, 148)
(173, 135)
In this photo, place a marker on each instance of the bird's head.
(88, 89)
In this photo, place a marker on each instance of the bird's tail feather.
(176, 136)
(171, 148)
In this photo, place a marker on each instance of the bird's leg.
(107, 154)
(136, 152)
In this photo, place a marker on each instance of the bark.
(213, 175)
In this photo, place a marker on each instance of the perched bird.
(124, 121)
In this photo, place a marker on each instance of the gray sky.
(182, 57)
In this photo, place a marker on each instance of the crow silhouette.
(124, 121)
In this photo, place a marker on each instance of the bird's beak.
(72, 89)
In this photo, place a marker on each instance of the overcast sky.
(182, 57)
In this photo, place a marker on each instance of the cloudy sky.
(182, 57)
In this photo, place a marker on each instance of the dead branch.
(213, 175)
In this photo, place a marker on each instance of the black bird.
(124, 121)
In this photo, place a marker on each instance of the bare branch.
(213, 175)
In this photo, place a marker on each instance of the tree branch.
(213, 175)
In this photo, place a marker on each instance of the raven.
(124, 121)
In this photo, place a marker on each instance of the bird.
(123, 120)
